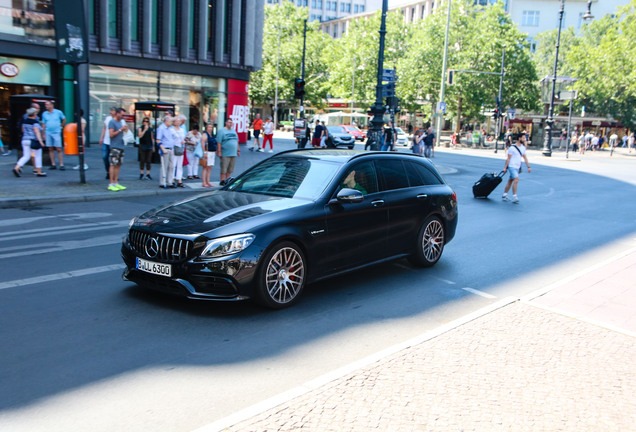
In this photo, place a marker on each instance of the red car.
(353, 130)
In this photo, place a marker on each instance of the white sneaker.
(515, 199)
(260, 150)
(504, 197)
(270, 151)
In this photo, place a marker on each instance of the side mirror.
(347, 195)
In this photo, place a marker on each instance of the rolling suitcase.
(486, 184)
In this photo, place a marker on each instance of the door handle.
(422, 196)
(377, 203)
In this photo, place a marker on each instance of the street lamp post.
(549, 123)
(378, 107)
(442, 89)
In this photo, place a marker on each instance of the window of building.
(313, 4)
(174, 19)
(530, 18)
(91, 17)
(355, 8)
(134, 20)
(342, 7)
(335, 30)
(154, 22)
(348, 8)
(361, 8)
(319, 3)
(423, 13)
(112, 18)
(328, 5)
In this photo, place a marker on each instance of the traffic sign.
(511, 113)
(441, 107)
(567, 94)
(388, 90)
(389, 75)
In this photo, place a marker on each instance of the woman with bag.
(146, 148)
(179, 149)
(209, 147)
(193, 141)
(31, 144)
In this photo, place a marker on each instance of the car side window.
(392, 174)
(361, 177)
(420, 175)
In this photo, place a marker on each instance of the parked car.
(355, 131)
(402, 139)
(340, 137)
(295, 218)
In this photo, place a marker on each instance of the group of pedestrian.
(267, 128)
(39, 133)
(424, 142)
(589, 141)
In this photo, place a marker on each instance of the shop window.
(134, 20)
(113, 19)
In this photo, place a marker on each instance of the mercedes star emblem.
(152, 247)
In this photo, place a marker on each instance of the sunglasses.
(146, 121)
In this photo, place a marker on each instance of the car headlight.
(230, 245)
(132, 222)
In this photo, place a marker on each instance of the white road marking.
(479, 293)
(59, 276)
(39, 232)
(72, 216)
(447, 282)
(42, 248)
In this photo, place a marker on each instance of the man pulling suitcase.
(516, 152)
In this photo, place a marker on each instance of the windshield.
(399, 130)
(288, 177)
(336, 129)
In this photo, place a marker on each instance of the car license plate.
(154, 268)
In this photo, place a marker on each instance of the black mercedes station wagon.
(295, 218)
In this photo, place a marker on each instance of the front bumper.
(227, 279)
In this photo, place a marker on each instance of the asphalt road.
(84, 350)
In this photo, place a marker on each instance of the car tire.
(351, 147)
(430, 243)
(282, 276)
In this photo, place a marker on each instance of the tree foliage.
(601, 57)
(283, 40)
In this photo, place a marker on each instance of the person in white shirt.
(268, 133)
(165, 142)
(516, 152)
(179, 147)
(104, 141)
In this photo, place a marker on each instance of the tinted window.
(392, 174)
(287, 177)
(361, 177)
(421, 175)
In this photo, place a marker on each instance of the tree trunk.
(458, 126)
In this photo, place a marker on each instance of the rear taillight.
(454, 196)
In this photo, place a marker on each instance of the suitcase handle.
(501, 174)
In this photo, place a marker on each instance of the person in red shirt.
(257, 126)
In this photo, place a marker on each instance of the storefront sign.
(15, 70)
(238, 108)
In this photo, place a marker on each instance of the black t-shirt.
(428, 139)
(318, 131)
(388, 135)
(145, 142)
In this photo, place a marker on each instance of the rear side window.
(392, 174)
(420, 175)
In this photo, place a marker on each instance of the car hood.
(344, 136)
(214, 210)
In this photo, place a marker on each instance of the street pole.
(549, 123)
(353, 85)
(378, 107)
(276, 90)
(442, 90)
(499, 101)
(302, 73)
(78, 121)
(567, 143)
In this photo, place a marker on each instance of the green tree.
(477, 39)
(283, 39)
(357, 52)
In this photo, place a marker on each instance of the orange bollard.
(70, 139)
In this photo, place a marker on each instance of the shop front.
(200, 99)
(20, 76)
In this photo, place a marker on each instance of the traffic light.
(299, 88)
(496, 113)
(451, 77)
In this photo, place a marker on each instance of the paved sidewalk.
(562, 361)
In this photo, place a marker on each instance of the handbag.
(185, 159)
(203, 161)
(128, 137)
(35, 144)
(198, 151)
(178, 150)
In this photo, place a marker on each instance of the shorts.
(53, 140)
(514, 172)
(116, 156)
(315, 141)
(257, 133)
(227, 164)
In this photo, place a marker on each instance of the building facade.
(324, 10)
(196, 54)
